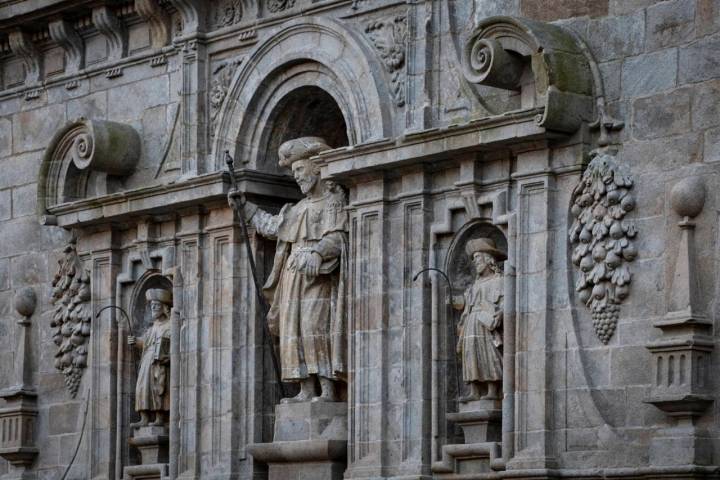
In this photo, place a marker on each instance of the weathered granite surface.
(582, 137)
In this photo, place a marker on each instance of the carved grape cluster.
(602, 240)
(71, 320)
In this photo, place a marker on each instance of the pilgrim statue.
(152, 392)
(480, 328)
(307, 285)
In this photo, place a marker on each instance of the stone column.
(18, 408)
(534, 241)
(102, 415)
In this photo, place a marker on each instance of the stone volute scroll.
(542, 61)
(307, 290)
(602, 239)
(81, 160)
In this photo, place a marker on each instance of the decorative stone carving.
(22, 45)
(602, 239)
(71, 319)
(228, 13)
(158, 20)
(25, 301)
(222, 75)
(80, 152)
(308, 283)
(113, 30)
(480, 326)
(500, 49)
(152, 392)
(63, 33)
(389, 37)
(275, 6)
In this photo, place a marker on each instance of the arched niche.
(461, 271)
(306, 53)
(305, 111)
(85, 159)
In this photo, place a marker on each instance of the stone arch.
(306, 52)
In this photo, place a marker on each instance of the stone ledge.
(299, 451)
(483, 135)
(167, 198)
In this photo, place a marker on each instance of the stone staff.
(258, 287)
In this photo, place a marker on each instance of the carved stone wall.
(565, 128)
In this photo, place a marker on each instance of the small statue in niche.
(307, 285)
(152, 392)
(480, 328)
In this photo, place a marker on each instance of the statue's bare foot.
(493, 392)
(143, 421)
(473, 395)
(328, 391)
(307, 392)
(159, 420)
(469, 398)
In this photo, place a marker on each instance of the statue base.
(152, 442)
(309, 442)
(481, 423)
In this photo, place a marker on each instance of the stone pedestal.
(481, 423)
(17, 422)
(152, 442)
(309, 442)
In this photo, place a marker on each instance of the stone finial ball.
(687, 197)
(25, 301)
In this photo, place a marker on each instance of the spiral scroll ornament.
(481, 57)
(71, 319)
(83, 149)
(602, 240)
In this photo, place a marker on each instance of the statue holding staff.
(307, 285)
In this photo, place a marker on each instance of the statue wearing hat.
(152, 392)
(307, 285)
(479, 330)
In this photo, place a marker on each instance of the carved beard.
(159, 314)
(307, 183)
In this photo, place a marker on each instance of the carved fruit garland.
(602, 240)
(71, 320)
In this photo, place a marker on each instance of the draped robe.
(479, 337)
(152, 387)
(308, 314)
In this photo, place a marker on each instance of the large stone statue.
(307, 285)
(152, 392)
(479, 330)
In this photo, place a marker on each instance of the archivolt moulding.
(334, 58)
(79, 159)
(499, 51)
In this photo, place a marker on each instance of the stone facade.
(581, 137)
